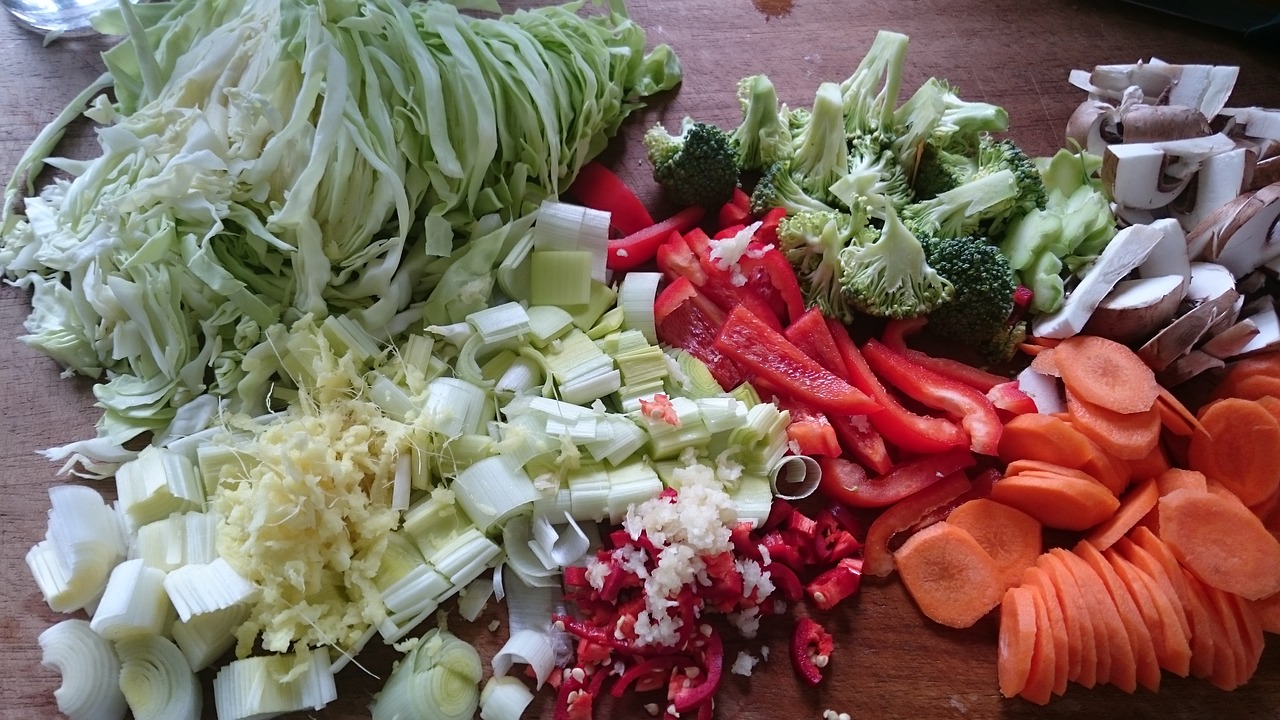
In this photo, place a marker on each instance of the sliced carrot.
(1232, 633)
(1056, 626)
(1178, 478)
(1222, 542)
(1039, 687)
(1030, 349)
(1059, 501)
(1018, 467)
(1017, 640)
(1173, 649)
(1135, 504)
(1238, 448)
(1156, 462)
(952, 579)
(1249, 623)
(1082, 655)
(1107, 374)
(1150, 543)
(1174, 416)
(1155, 570)
(1122, 670)
(877, 558)
(1224, 673)
(1128, 436)
(1271, 405)
(1255, 387)
(1267, 365)
(1011, 537)
(1033, 436)
(1045, 362)
(1268, 609)
(1043, 341)
(1146, 666)
(1204, 648)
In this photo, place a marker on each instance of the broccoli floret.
(820, 151)
(764, 136)
(874, 178)
(964, 210)
(697, 167)
(889, 276)
(812, 241)
(965, 118)
(870, 94)
(940, 169)
(777, 187)
(995, 155)
(978, 313)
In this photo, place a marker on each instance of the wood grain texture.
(890, 662)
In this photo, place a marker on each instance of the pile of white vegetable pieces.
(1197, 185)
(494, 442)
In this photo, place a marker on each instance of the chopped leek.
(547, 323)
(752, 499)
(156, 680)
(270, 685)
(181, 539)
(795, 477)
(636, 294)
(473, 598)
(199, 589)
(560, 278)
(84, 542)
(157, 483)
(454, 406)
(437, 680)
(90, 670)
(504, 698)
(204, 638)
(134, 603)
(631, 485)
(492, 490)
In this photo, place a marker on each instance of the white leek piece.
(635, 296)
(474, 597)
(219, 458)
(455, 406)
(534, 640)
(722, 414)
(492, 490)
(180, 539)
(527, 647)
(520, 558)
(504, 698)
(521, 376)
(204, 638)
(631, 484)
(396, 627)
(563, 544)
(251, 688)
(203, 588)
(590, 388)
(134, 603)
(84, 542)
(763, 438)
(437, 680)
(562, 226)
(395, 401)
(500, 322)
(795, 477)
(434, 521)
(752, 499)
(576, 357)
(402, 482)
(156, 680)
(618, 439)
(158, 483)
(589, 493)
(560, 277)
(547, 323)
(463, 559)
(416, 590)
(90, 670)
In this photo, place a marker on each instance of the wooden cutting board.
(889, 662)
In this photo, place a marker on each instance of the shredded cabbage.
(268, 159)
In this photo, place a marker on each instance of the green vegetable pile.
(266, 160)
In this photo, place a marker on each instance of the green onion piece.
(629, 485)
(437, 680)
(134, 603)
(455, 406)
(752, 499)
(504, 698)
(157, 483)
(636, 294)
(602, 297)
(500, 322)
(547, 323)
(560, 277)
(492, 490)
(204, 638)
(205, 588)
(156, 680)
(90, 671)
(254, 687)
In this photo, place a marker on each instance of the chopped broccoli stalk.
(697, 167)
(764, 136)
(778, 188)
(916, 121)
(978, 313)
(967, 118)
(890, 277)
(812, 241)
(820, 151)
(870, 94)
(963, 210)
(873, 179)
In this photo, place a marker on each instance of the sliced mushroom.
(1169, 256)
(1153, 123)
(1187, 367)
(1094, 126)
(1154, 79)
(1265, 172)
(1254, 122)
(1221, 179)
(1232, 341)
(1205, 87)
(1126, 251)
(1135, 309)
(1211, 295)
(1242, 236)
(1262, 314)
(1044, 390)
(1152, 175)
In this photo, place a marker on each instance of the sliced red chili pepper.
(780, 551)
(785, 581)
(811, 648)
(606, 636)
(657, 665)
(779, 513)
(591, 653)
(850, 487)
(599, 188)
(899, 426)
(752, 344)
(676, 259)
(576, 576)
(877, 558)
(741, 199)
(768, 232)
(1010, 398)
(745, 543)
(687, 697)
(686, 319)
(895, 336)
(722, 288)
(641, 246)
(960, 402)
(833, 586)
(832, 542)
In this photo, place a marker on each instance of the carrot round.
(1039, 687)
(1056, 625)
(1058, 501)
(1174, 416)
(1045, 362)
(1146, 666)
(952, 579)
(1122, 669)
(1178, 478)
(1011, 537)
(1017, 640)
(1033, 436)
(1173, 650)
(1134, 506)
(1222, 542)
(1267, 365)
(1237, 448)
(1204, 630)
(1268, 609)
(1128, 436)
(1106, 373)
(1154, 463)
(1082, 654)
(877, 559)
(1256, 387)
(1271, 405)
(1223, 671)
(1249, 621)
(1155, 570)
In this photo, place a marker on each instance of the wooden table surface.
(889, 661)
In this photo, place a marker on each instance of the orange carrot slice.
(1178, 478)
(1268, 610)
(1271, 405)
(1267, 365)
(1205, 652)
(1238, 448)
(1155, 570)
(1249, 620)
(1017, 642)
(877, 558)
(1039, 687)
(1222, 542)
(1146, 666)
(1224, 673)
(1034, 436)
(1107, 374)
(1115, 654)
(1082, 655)
(952, 579)
(1173, 650)
(1155, 462)
(1128, 436)
(1045, 362)
(1135, 504)
(1255, 387)
(1059, 501)
(1011, 537)
(1057, 626)
(1174, 416)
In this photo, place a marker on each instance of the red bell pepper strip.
(727, 231)
(811, 648)
(768, 232)
(687, 319)
(785, 581)
(741, 200)
(899, 426)
(877, 560)
(752, 344)
(719, 284)
(906, 478)
(861, 440)
(833, 586)
(599, 188)
(1007, 396)
(895, 337)
(637, 248)
(685, 698)
(731, 214)
(771, 276)
(676, 260)
(809, 332)
(810, 429)
(962, 403)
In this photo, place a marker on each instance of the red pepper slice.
(685, 698)
(876, 556)
(1007, 396)
(661, 664)
(781, 551)
(831, 542)
(727, 231)
(809, 332)
(833, 586)
(904, 479)
(962, 403)
(599, 188)
(676, 260)
(811, 648)
(780, 512)
(751, 343)
(768, 232)
(894, 336)
(771, 276)
(686, 319)
(730, 214)
(719, 283)
(785, 581)
(741, 200)
(901, 427)
(639, 247)
(809, 429)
